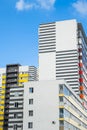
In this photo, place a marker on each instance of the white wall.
(23, 68)
(66, 35)
(47, 66)
(45, 105)
(66, 39)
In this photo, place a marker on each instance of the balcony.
(11, 85)
(12, 75)
(11, 80)
(12, 70)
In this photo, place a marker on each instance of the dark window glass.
(31, 90)
(30, 125)
(30, 101)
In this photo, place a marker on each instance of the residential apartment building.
(2, 96)
(11, 81)
(63, 55)
(52, 105)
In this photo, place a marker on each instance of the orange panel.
(81, 88)
(82, 96)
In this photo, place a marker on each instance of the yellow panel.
(3, 76)
(61, 94)
(2, 102)
(1, 129)
(61, 118)
(1, 117)
(20, 85)
(3, 81)
(1, 112)
(61, 106)
(23, 75)
(3, 86)
(23, 80)
(1, 107)
(2, 97)
(2, 92)
(1, 123)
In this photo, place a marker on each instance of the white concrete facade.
(62, 47)
(45, 105)
(64, 34)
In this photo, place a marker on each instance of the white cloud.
(44, 4)
(81, 6)
(22, 5)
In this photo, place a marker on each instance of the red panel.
(80, 64)
(81, 80)
(80, 72)
(80, 50)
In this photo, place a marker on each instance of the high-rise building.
(63, 55)
(52, 105)
(11, 94)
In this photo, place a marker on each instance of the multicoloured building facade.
(11, 92)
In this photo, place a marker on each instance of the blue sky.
(19, 22)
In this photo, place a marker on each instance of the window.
(15, 115)
(61, 89)
(61, 111)
(15, 127)
(16, 104)
(61, 99)
(66, 91)
(30, 124)
(31, 90)
(31, 113)
(61, 123)
(30, 101)
(16, 94)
